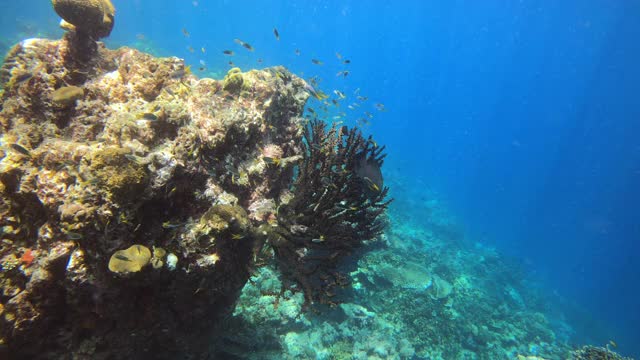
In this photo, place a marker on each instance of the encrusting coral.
(149, 155)
(132, 259)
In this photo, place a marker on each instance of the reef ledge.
(130, 192)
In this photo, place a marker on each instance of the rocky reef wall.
(130, 197)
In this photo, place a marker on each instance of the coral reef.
(595, 353)
(424, 295)
(131, 197)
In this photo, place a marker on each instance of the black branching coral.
(338, 200)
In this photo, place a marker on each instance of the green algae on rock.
(117, 174)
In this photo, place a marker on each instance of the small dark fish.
(311, 110)
(228, 52)
(298, 52)
(318, 94)
(185, 32)
(136, 159)
(335, 102)
(271, 160)
(122, 257)
(22, 77)
(275, 32)
(343, 73)
(232, 64)
(73, 235)
(243, 44)
(202, 68)
(344, 130)
(19, 148)
(260, 61)
(346, 61)
(317, 62)
(178, 74)
(169, 225)
(380, 107)
(362, 98)
(363, 122)
(149, 116)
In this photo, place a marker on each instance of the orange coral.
(27, 258)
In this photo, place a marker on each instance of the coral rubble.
(134, 196)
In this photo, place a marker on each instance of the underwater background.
(514, 123)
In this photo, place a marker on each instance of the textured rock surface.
(93, 17)
(148, 155)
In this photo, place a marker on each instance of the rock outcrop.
(140, 153)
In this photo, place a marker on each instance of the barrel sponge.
(130, 260)
(94, 17)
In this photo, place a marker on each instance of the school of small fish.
(325, 102)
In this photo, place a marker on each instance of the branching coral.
(338, 200)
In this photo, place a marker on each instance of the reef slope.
(126, 149)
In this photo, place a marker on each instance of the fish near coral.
(67, 96)
(20, 149)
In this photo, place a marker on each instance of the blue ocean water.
(522, 116)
